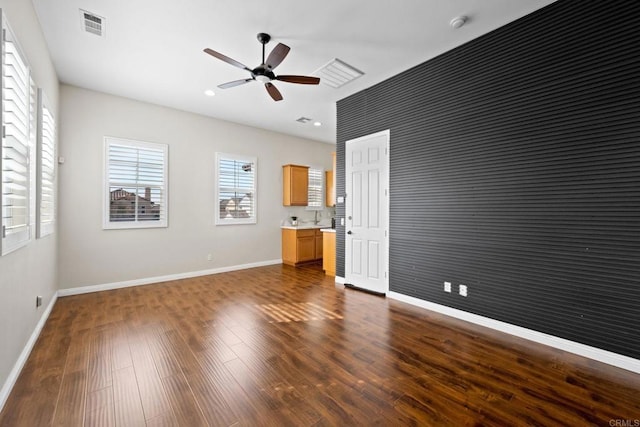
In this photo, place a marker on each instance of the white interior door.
(367, 212)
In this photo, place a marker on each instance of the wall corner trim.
(160, 279)
(5, 391)
(604, 356)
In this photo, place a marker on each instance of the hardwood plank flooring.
(284, 346)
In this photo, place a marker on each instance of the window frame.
(44, 171)
(322, 197)
(23, 234)
(163, 222)
(253, 219)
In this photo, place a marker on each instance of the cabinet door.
(319, 248)
(330, 195)
(329, 253)
(295, 185)
(299, 186)
(289, 243)
(306, 249)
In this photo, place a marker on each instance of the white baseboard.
(594, 353)
(159, 279)
(24, 355)
(341, 280)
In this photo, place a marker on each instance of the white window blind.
(236, 189)
(315, 193)
(46, 168)
(136, 184)
(18, 111)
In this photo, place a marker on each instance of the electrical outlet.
(463, 290)
(447, 286)
(38, 301)
(210, 257)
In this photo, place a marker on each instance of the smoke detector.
(458, 22)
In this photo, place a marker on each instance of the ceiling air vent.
(303, 119)
(337, 73)
(92, 23)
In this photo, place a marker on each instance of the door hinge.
(4, 131)
(4, 231)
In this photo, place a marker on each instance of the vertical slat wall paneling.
(515, 170)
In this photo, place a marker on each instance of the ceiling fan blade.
(234, 83)
(277, 55)
(273, 91)
(226, 59)
(303, 80)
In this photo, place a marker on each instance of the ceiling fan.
(264, 72)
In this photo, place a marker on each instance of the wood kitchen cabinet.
(300, 246)
(318, 242)
(329, 191)
(330, 183)
(329, 253)
(295, 180)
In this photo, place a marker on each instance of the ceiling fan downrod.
(264, 39)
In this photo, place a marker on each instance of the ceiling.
(152, 50)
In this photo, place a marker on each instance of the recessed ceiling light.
(317, 124)
(209, 92)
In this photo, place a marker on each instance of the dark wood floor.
(283, 346)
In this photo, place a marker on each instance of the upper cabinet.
(295, 180)
(330, 184)
(330, 194)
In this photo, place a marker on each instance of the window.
(236, 189)
(135, 184)
(18, 139)
(46, 178)
(315, 195)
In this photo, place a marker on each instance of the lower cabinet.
(329, 258)
(299, 246)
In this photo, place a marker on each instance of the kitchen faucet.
(315, 218)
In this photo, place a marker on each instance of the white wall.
(90, 255)
(31, 270)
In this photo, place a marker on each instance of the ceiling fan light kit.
(263, 73)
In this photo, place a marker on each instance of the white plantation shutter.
(136, 184)
(315, 195)
(236, 189)
(18, 111)
(46, 168)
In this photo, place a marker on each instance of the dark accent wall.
(515, 170)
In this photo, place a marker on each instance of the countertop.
(328, 230)
(303, 226)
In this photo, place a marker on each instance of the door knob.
(349, 232)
